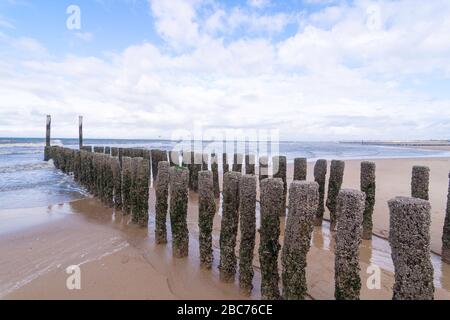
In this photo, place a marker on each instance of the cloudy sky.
(314, 69)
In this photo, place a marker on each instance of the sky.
(311, 69)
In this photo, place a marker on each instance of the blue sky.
(312, 69)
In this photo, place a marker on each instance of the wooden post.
(47, 139)
(206, 212)
(80, 131)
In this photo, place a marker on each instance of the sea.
(26, 181)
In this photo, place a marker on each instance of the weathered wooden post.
(117, 182)
(334, 186)
(300, 169)
(206, 212)
(215, 172)
(446, 230)
(409, 238)
(237, 165)
(272, 207)
(320, 176)
(196, 168)
(126, 185)
(80, 131)
(229, 226)
(247, 212)
(280, 171)
(303, 203)
(99, 149)
(368, 186)
(77, 166)
(162, 193)
(205, 162)
(225, 165)
(350, 208)
(179, 192)
(420, 182)
(108, 151)
(109, 181)
(141, 183)
(263, 168)
(47, 138)
(250, 164)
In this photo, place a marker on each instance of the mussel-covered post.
(237, 165)
(280, 171)
(215, 172)
(409, 238)
(303, 202)
(117, 182)
(272, 207)
(206, 212)
(300, 169)
(161, 207)
(247, 212)
(368, 186)
(446, 230)
(334, 186)
(320, 176)
(179, 191)
(47, 138)
(420, 182)
(263, 168)
(250, 163)
(229, 226)
(225, 165)
(350, 209)
(126, 185)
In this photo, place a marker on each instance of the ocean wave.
(26, 167)
(16, 144)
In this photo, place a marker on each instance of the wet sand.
(121, 261)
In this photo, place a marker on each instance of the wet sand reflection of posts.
(409, 237)
(272, 207)
(350, 208)
(229, 226)
(303, 202)
(247, 212)
(206, 212)
(179, 190)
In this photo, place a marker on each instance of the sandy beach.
(121, 261)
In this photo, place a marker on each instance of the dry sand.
(121, 261)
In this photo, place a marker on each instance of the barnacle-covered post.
(350, 209)
(320, 175)
(47, 138)
(126, 185)
(250, 163)
(409, 238)
(247, 212)
(300, 169)
(420, 182)
(179, 191)
(368, 186)
(334, 186)
(303, 202)
(141, 185)
(215, 172)
(237, 165)
(229, 226)
(206, 212)
(117, 182)
(446, 230)
(280, 171)
(272, 207)
(162, 193)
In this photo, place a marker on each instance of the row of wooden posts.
(120, 178)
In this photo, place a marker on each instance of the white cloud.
(85, 36)
(336, 78)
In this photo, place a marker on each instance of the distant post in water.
(280, 171)
(300, 169)
(303, 202)
(350, 208)
(80, 131)
(250, 162)
(179, 191)
(272, 207)
(206, 212)
(334, 186)
(229, 226)
(446, 231)
(225, 165)
(237, 165)
(161, 207)
(368, 186)
(47, 138)
(320, 176)
(420, 182)
(409, 238)
(247, 211)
